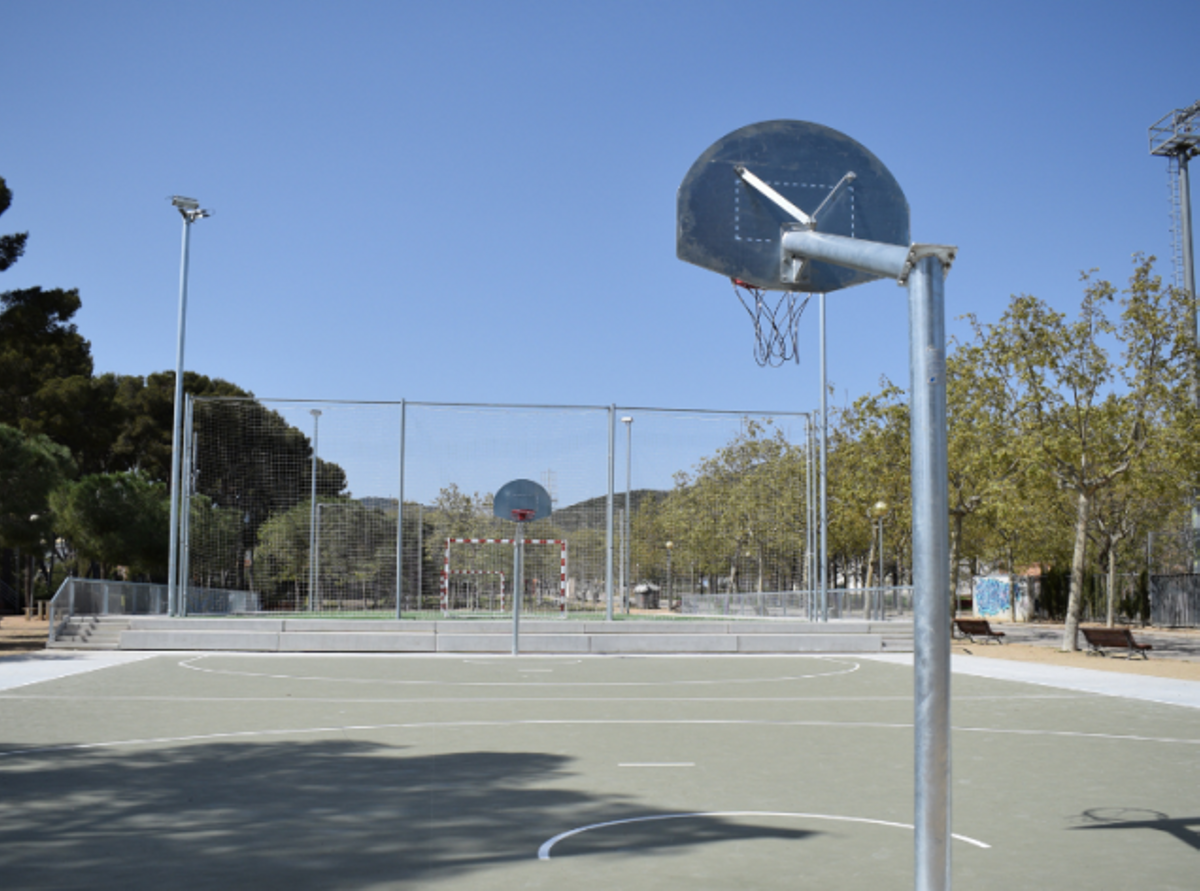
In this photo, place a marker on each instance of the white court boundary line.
(544, 850)
(583, 722)
(188, 664)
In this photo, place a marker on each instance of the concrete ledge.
(661, 626)
(552, 643)
(355, 642)
(474, 643)
(253, 641)
(664, 643)
(809, 643)
(200, 623)
(358, 626)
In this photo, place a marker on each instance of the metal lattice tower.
(1176, 136)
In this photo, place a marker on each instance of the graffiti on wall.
(991, 596)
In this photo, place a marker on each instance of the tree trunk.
(1012, 589)
(1070, 641)
(870, 578)
(1112, 581)
(954, 541)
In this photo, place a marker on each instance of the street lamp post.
(190, 210)
(670, 589)
(625, 526)
(879, 511)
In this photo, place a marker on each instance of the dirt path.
(19, 636)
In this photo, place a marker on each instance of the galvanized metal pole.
(627, 525)
(519, 587)
(608, 523)
(1189, 283)
(185, 507)
(173, 554)
(931, 573)
(810, 488)
(421, 556)
(400, 518)
(824, 478)
(312, 517)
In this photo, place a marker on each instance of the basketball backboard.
(726, 220)
(522, 501)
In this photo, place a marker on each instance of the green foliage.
(741, 508)
(30, 469)
(11, 246)
(38, 345)
(116, 519)
(356, 553)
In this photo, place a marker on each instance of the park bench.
(978, 628)
(1101, 639)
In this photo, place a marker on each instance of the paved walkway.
(1106, 683)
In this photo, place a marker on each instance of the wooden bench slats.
(1101, 639)
(979, 628)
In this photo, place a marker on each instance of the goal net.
(477, 577)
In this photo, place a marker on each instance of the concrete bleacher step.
(91, 633)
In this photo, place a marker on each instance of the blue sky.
(475, 202)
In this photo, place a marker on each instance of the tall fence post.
(608, 521)
(400, 517)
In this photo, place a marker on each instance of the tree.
(11, 246)
(38, 345)
(1088, 417)
(30, 469)
(116, 519)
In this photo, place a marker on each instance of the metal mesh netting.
(718, 503)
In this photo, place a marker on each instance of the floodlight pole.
(191, 211)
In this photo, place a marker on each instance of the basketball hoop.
(776, 322)
(522, 514)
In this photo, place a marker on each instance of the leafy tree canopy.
(30, 468)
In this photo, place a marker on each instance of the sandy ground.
(1178, 668)
(20, 636)
(17, 635)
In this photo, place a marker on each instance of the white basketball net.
(776, 321)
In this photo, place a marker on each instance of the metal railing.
(95, 597)
(874, 604)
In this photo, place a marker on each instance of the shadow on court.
(1186, 829)
(324, 814)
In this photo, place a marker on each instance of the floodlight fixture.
(185, 203)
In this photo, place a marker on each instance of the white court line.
(853, 667)
(658, 764)
(597, 722)
(544, 850)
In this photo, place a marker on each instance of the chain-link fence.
(370, 508)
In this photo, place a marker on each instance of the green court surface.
(449, 772)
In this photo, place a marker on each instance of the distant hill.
(592, 513)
